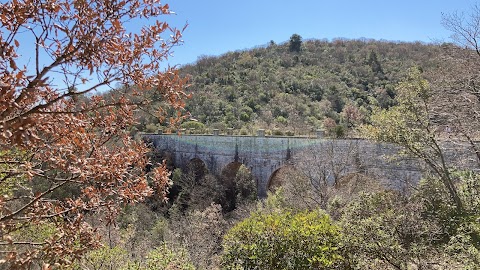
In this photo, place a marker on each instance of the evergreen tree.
(295, 43)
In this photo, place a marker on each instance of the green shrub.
(281, 120)
(199, 127)
(244, 131)
(339, 131)
(105, 258)
(283, 240)
(277, 132)
(164, 257)
(460, 230)
(245, 117)
(386, 230)
(151, 128)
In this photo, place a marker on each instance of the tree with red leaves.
(65, 151)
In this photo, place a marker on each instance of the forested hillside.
(299, 86)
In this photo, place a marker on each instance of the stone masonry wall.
(264, 155)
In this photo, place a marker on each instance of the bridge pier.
(261, 176)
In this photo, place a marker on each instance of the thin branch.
(21, 243)
(27, 205)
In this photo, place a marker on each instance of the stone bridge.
(264, 156)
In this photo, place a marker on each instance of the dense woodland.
(332, 85)
(80, 189)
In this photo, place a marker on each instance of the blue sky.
(219, 26)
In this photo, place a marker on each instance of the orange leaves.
(13, 65)
(161, 180)
(20, 74)
(3, 18)
(116, 24)
(89, 192)
(73, 141)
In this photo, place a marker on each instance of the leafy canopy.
(410, 125)
(58, 136)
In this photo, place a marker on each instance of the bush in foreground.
(284, 240)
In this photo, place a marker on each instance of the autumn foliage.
(65, 151)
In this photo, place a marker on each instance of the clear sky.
(219, 26)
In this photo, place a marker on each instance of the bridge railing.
(230, 132)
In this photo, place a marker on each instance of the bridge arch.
(239, 183)
(197, 167)
(229, 174)
(278, 177)
(229, 171)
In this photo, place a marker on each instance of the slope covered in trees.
(322, 85)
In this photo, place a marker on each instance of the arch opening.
(197, 168)
(298, 188)
(230, 171)
(239, 185)
(279, 177)
(193, 186)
